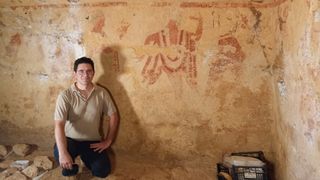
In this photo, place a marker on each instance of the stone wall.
(190, 79)
(297, 144)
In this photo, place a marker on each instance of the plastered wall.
(190, 78)
(297, 144)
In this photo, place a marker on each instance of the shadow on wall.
(130, 132)
(132, 135)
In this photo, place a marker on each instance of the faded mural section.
(297, 83)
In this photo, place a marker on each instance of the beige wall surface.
(190, 78)
(297, 80)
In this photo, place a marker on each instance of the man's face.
(84, 74)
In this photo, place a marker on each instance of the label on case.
(250, 175)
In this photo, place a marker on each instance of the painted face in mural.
(84, 74)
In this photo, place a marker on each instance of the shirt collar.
(75, 89)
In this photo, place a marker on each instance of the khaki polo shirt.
(82, 115)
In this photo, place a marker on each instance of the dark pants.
(98, 163)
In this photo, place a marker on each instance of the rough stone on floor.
(5, 164)
(3, 151)
(43, 162)
(31, 171)
(8, 172)
(22, 149)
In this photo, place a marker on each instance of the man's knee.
(101, 172)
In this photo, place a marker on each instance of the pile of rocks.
(13, 169)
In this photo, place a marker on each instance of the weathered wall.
(297, 77)
(189, 78)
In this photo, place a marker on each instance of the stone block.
(31, 171)
(5, 164)
(10, 171)
(22, 149)
(3, 150)
(43, 162)
(20, 164)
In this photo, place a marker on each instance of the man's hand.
(65, 161)
(106, 143)
(101, 145)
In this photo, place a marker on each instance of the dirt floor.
(134, 167)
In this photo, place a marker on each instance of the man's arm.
(65, 159)
(113, 126)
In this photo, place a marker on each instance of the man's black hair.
(82, 60)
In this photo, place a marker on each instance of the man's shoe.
(71, 172)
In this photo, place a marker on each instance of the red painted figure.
(182, 61)
(229, 57)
